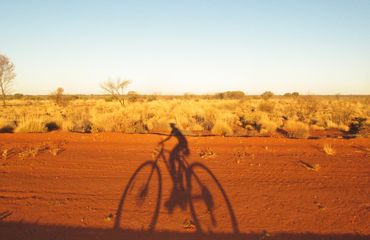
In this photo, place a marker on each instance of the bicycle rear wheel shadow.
(139, 206)
(209, 204)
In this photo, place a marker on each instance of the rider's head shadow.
(182, 145)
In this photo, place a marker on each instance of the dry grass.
(222, 128)
(207, 153)
(4, 154)
(328, 149)
(6, 126)
(251, 116)
(24, 154)
(32, 151)
(296, 129)
(32, 125)
(54, 149)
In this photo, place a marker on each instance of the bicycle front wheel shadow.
(140, 202)
(210, 207)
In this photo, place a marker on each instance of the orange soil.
(75, 194)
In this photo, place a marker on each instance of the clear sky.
(309, 46)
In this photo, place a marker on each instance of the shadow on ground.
(21, 230)
(194, 188)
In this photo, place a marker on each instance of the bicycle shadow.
(194, 188)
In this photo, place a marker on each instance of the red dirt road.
(265, 183)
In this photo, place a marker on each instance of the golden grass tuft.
(4, 154)
(328, 149)
(32, 125)
(296, 129)
(222, 128)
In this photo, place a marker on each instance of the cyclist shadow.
(193, 186)
(177, 170)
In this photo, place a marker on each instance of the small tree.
(18, 96)
(230, 95)
(133, 96)
(266, 95)
(59, 97)
(116, 89)
(293, 94)
(7, 75)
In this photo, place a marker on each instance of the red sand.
(75, 195)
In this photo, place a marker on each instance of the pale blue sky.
(318, 47)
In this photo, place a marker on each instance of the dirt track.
(273, 193)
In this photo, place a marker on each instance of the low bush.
(296, 129)
(222, 128)
(7, 126)
(32, 125)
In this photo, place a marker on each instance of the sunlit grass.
(253, 116)
(328, 149)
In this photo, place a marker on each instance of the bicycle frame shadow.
(184, 176)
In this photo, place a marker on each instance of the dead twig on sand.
(308, 166)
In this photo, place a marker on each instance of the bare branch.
(116, 90)
(7, 75)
